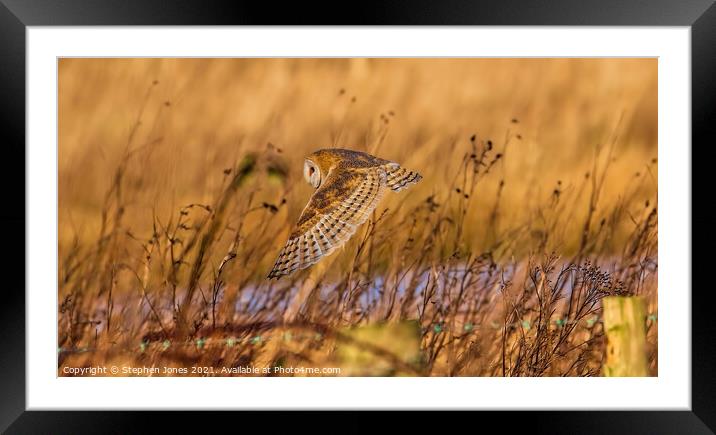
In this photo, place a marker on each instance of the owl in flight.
(349, 184)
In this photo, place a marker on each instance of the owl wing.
(334, 212)
(398, 178)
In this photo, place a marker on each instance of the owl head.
(312, 173)
(319, 163)
(317, 166)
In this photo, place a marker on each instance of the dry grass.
(179, 181)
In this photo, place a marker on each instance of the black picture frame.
(16, 15)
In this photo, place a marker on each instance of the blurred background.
(203, 115)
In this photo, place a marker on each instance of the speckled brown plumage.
(350, 185)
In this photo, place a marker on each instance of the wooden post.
(624, 325)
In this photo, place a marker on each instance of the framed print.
(447, 207)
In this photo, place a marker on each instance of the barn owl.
(349, 184)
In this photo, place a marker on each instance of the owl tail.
(399, 178)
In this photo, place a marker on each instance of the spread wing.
(334, 212)
(398, 178)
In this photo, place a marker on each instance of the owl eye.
(311, 170)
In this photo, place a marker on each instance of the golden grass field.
(180, 180)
